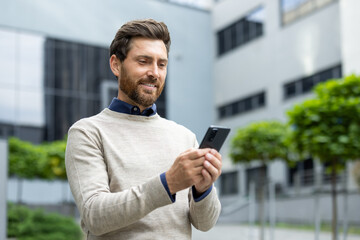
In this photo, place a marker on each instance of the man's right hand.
(186, 170)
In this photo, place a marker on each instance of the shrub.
(28, 224)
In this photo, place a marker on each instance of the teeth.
(150, 85)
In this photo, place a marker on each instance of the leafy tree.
(328, 127)
(55, 159)
(26, 160)
(263, 141)
(44, 161)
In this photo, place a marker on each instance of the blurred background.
(231, 63)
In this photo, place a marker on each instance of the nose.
(153, 72)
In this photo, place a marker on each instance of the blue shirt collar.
(124, 107)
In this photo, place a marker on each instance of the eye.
(162, 65)
(142, 61)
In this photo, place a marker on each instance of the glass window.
(302, 174)
(9, 50)
(21, 78)
(261, 100)
(306, 84)
(242, 31)
(229, 183)
(294, 9)
(255, 22)
(290, 90)
(242, 105)
(254, 175)
(247, 104)
(73, 78)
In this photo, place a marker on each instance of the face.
(142, 74)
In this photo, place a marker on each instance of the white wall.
(39, 191)
(302, 210)
(189, 85)
(350, 18)
(3, 187)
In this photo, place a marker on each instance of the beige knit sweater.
(114, 162)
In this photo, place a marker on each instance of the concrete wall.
(3, 187)
(300, 209)
(39, 191)
(350, 35)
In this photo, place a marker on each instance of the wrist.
(197, 193)
(170, 183)
(203, 195)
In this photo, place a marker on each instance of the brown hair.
(147, 28)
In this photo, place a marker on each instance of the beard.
(131, 87)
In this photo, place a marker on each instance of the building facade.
(269, 55)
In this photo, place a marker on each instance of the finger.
(197, 162)
(216, 154)
(187, 151)
(197, 153)
(213, 171)
(197, 170)
(213, 160)
(206, 175)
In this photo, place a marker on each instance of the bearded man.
(134, 174)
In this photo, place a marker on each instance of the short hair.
(147, 28)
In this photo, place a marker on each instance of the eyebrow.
(149, 57)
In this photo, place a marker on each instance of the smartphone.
(215, 137)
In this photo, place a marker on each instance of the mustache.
(149, 80)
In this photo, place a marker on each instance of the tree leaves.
(44, 161)
(328, 126)
(261, 141)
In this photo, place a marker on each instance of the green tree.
(26, 160)
(262, 141)
(55, 165)
(328, 128)
(44, 161)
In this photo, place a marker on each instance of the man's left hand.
(211, 171)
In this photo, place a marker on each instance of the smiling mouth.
(149, 85)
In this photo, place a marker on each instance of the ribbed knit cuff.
(164, 182)
(202, 196)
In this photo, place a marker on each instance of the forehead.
(149, 47)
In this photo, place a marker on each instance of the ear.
(115, 65)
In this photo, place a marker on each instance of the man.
(133, 174)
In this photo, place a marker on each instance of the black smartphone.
(215, 137)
